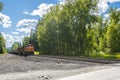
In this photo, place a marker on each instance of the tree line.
(2, 40)
(74, 29)
(2, 44)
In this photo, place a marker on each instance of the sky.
(19, 17)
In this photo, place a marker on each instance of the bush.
(36, 53)
(104, 55)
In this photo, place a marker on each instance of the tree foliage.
(113, 32)
(73, 29)
(15, 46)
(1, 6)
(2, 40)
(63, 30)
(2, 44)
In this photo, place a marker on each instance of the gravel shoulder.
(14, 67)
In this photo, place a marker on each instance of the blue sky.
(20, 16)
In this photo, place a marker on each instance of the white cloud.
(118, 9)
(61, 1)
(106, 16)
(16, 33)
(7, 36)
(25, 12)
(9, 39)
(103, 5)
(27, 23)
(24, 30)
(42, 9)
(18, 38)
(111, 1)
(5, 20)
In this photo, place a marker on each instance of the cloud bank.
(26, 25)
(41, 10)
(5, 20)
(103, 5)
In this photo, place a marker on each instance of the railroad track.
(92, 60)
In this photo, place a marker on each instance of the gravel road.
(14, 67)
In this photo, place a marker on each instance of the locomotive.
(27, 50)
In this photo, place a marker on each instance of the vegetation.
(73, 29)
(113, 32)
(1, 6)
(2, 40)
(63, 31)
(2, 44)
(15, 46)
(32, 39)
(103, 55)
(36, 53)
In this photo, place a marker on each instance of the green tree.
(1, 6)
(33, 40)
(15, 46)
(41, 37)
(2, 40)
(65, 27)
(25, 41)
(2, 44)
(113, 32)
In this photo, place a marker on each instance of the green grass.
(95, 55)
(36, 53)
(2, 53)
(103, 55)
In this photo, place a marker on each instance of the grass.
(36, 53)
(103, 55)
(95, 55)
(2, 53)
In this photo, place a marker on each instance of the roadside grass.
(3, 53)
(36, 53)
(107, 56)
(95, 55)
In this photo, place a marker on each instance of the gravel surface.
(14, 67)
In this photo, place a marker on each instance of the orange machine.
(27, 50)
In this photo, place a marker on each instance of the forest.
(2, 40)
(2, 44)
(75, 29)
